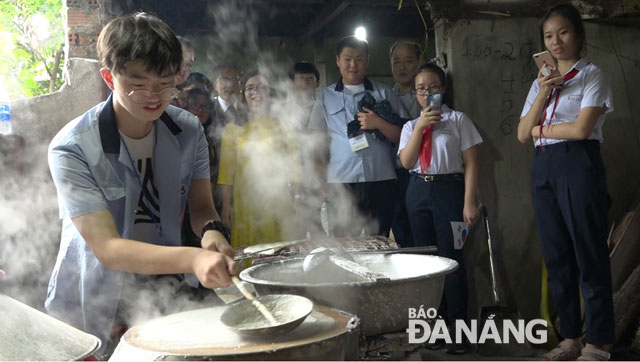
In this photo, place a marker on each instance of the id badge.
(359, 142)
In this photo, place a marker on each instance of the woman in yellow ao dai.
(259, 163)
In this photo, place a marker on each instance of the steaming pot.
(382, 307)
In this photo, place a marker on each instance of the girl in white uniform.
(439, 149)
(564, 115)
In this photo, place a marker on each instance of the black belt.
(567, 145)
(441, 177)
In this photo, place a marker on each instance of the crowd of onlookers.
(235, 101)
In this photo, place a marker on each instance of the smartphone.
(544, 60)
(435, 99)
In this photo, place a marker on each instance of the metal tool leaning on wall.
(499, 312)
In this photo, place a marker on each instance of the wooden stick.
(261, 307)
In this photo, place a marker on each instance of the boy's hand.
(213, 240)
(213, 269)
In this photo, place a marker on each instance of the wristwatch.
(219, 226)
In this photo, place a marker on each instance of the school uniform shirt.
(336, 106)
(590, 87)
(451, 136)
(92, 171)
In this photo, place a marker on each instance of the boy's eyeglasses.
(435, 88)
(143, 95)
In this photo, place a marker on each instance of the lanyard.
(567, 77)
(146, 196)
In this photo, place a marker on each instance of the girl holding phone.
(439, 150)
(564, 114)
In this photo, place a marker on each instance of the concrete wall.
(30, 230)
(491, 70)
(40, 118)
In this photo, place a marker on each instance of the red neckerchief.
(425, 148)
(568, 76)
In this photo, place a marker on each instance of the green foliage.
(31, 47)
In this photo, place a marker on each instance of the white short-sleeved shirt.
(589, 88)
(453, 135)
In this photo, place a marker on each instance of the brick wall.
(82, 25)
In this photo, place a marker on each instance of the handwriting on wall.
(513, 60)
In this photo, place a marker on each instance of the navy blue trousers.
(432, 206)
(374, 200)
(570, 202)
(401, 226)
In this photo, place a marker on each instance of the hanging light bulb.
(361, 33)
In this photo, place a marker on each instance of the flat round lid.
(200, 332)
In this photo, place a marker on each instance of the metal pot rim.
(246, 276)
